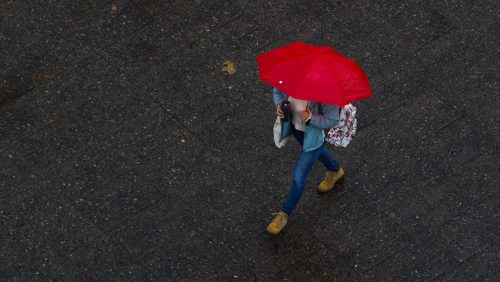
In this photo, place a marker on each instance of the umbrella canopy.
(314, 73)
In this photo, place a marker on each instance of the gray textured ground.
(127, 154)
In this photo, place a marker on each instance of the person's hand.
(305, 114)
(279, 112)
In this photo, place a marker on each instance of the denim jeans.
(302, 168)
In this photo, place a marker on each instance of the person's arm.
(277, 97)
(328, 119)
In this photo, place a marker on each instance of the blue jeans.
(302, 168)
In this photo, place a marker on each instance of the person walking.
(307, 123)
(315, 81)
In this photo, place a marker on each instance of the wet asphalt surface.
(127, 154)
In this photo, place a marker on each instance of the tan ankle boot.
(278, 223)
(331, 178)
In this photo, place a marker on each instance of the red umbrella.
(314, 73)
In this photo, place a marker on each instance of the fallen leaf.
(11, 156)
(114, 8)
(229, 67)
(44, 75)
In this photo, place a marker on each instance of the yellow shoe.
(331, 178)
(278, 223)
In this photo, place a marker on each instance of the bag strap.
(320, 111)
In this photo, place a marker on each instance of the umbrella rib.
(291, 60)
(301, 85)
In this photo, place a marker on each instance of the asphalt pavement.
(128, 154)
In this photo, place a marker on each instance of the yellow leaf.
(229, 67)
(114, 8)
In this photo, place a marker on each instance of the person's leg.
(327, 158)
(302, 168)
(335, 173)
